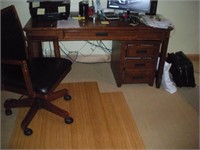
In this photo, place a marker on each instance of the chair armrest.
(25, 72)
(54, 39)
(13, 62)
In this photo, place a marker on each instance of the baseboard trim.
(90, 58)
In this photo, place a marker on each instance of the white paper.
(40, 11)
(61, 9)
(162, 23)
(68, 24)
(35, 4)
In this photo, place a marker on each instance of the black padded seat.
(42, 76)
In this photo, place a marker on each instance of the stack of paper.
(68, 24)
(156, 21)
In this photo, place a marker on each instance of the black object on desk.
(111, 16)
(49, 10)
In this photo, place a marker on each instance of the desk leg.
(161, 63)
(116, 65)
(34, 49)
(56, 49)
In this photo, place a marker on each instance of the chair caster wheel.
(67, 97)
(28, 131)
(8, 112)
(69, 120)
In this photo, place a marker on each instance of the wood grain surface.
(101, 121)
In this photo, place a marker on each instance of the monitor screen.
(136, 6)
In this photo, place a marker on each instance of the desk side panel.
(116, 65)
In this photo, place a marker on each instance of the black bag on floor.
(182, 69)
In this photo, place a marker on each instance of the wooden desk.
(129, 44)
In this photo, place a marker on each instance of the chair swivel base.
(35, 105)
(29, 131)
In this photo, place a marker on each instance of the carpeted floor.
(164, 120)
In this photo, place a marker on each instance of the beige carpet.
(165, 121)
(101, 121)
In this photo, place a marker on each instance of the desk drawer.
(77, 34)
(143, 49)
(59, 34)
(139, 64)
(88, 35)
(139, 76)
(103, 34)
(109, 34)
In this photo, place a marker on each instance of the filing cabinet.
(136, 62)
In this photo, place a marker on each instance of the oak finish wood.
(101, 121)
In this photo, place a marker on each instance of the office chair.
(36, 78)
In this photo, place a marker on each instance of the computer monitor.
(147, 7)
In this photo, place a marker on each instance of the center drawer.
(46, 33)
(103, 34)
(92, 34)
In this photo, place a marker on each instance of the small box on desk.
(49, 9)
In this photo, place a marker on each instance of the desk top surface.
(34, 24)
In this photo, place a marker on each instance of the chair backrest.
(15, 66)
(13, 45)
(13, 52)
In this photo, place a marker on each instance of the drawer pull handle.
(102, 34)
(141, 51)
(139, 65)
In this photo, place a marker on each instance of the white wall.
(183, 14)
